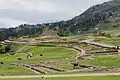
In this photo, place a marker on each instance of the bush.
(104, 34)
(5, 48)
(118, 35)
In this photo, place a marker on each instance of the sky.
(15, 12)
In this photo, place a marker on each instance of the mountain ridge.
(107, 13)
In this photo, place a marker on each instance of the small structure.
(75, 64)
(29, 54)
(118, 49)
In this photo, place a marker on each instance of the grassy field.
(16, 47)
(89, 48)
(8, 69)
(49, 54)
(3, 55)
(75, 78)
(110, 28)
(65, 66)
(57, 54)
(107, 61)
(13, 58)
(112, 41)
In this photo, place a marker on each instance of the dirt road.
(98, 44)
(62, 75)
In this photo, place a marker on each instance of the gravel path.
(62, 75)
(98, 44)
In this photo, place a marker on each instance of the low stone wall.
(49, 67)
(29, 67)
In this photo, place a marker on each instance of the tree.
(4, 48)
(7, 48)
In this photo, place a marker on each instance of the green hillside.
(104, 17)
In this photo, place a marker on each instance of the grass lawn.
(110, 28)
(49, 53)
(13, 58)
(107, 61)
(6, 69)
(113, 31)
(75, 78)
(3, 55)
(112, 41)
(16, 47)
(65, 66)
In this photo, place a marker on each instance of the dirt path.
(62, 75)
(80, 52)
(30, 42)
(98, 44)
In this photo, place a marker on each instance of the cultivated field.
(67, 55)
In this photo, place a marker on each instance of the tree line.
(21, 30)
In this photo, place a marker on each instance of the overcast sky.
(14, 12)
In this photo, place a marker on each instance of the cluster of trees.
(21, 30)
(4, 48)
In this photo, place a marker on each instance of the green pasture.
(111, 41)
(48, 54)
(7, 69)
(106, 61)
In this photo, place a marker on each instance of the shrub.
(5, 48)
